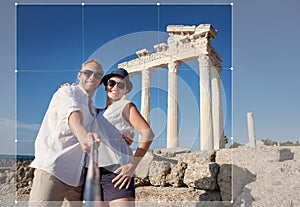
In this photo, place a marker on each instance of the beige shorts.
(47, 190)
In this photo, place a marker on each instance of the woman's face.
(116, 88)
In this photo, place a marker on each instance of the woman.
(116, 162)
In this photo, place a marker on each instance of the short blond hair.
(93, 61)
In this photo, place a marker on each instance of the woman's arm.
(140, 124)
(143, 128)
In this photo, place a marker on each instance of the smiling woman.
(116, 160)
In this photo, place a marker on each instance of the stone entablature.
(186, 44)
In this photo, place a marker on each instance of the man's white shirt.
(57, 150)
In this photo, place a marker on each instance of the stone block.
(158, 172)
(202, 176)
(170, 152)
(231, 181)
(224, 156)
(175, 178)
(202, 157)
(142, 170)
(170, 194)
(285, 154)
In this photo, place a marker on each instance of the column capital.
(203, 58)
(173, 67)
(146, 71)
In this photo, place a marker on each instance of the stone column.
(172, 127)
(206, 131)
(251, 134)
(217, 111)
(145, 99)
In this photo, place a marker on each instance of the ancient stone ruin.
(185, 43)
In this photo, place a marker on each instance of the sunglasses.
(88, 74)
(112, 83)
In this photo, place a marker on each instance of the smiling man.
(63, 139)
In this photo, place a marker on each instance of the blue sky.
(51, 48)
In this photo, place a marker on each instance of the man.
(64, 138)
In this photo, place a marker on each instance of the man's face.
(89, 77)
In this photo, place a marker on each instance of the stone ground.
(11, 200)
(277, 176)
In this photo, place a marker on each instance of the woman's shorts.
(109, 192)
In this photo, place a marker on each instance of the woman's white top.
(111, 123)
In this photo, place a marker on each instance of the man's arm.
(84, 137)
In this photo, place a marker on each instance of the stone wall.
(17, 179)
(180, 175)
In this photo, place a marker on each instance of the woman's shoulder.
(121, 103)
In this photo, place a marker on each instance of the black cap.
(120, 73)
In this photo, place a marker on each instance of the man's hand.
(66, 84)
(87, 141)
